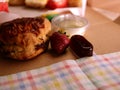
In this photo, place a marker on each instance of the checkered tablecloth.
(102, 70)
(99, 72)
(65, 75)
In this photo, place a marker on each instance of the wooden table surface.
(103, 33)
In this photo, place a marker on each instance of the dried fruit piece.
(80, 46)
(59, 42)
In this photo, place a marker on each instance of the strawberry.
(59, 42)
(4, 6)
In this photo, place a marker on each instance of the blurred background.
(108, 8)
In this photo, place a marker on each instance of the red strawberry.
(3, 6)
(59, 42)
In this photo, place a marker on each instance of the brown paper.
(111, 5)
(103, 33)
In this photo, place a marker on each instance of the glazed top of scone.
(21, 25)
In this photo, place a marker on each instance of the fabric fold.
(65, 75)
(102, 70)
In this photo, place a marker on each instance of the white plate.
(5, 16)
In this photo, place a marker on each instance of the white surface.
(4, 16)
(30, 12)
(25, 12)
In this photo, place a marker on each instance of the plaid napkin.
(99, 72)
(65, 75)
(102, 70)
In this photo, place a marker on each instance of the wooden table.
(102, 33)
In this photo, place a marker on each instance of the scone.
(16, 2)
(36, 3)
(24, 38)
(74, 3)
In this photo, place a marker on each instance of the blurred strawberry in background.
(4, 6)
(53, 4)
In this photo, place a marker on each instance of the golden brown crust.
(16, 2)
(36, 3)
(75, 3)
(21, 25)
(24, 38)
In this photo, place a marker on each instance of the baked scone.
(16, 2)
(36, 3)
(74, 3)
(24, 38)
